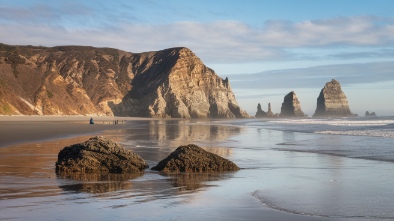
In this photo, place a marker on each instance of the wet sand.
(21, 129)
(30, 189)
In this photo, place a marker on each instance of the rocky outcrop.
(269, 112)
(260, 113)
(291, 107)
(98, 155)
(71, 80)
(372, 114)
(332, 102)
(192, 158)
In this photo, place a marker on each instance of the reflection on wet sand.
(97, 182)
(28, 171)
(33, 158)
(155, 139)
(181, 132)
(190, 182)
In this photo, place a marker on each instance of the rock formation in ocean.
(332, 102)
(260, 113)
(291, 107)
(192, 158)
(99, 155)
(269, 112)
(81, 80)
(372, 114)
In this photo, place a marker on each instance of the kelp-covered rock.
(192, 158)
(99, 154)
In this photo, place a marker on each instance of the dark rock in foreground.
(99, 154)
(192, 158)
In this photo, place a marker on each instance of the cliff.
(291, 107)
(332, 102)
(71, 80)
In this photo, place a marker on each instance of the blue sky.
(266, 48)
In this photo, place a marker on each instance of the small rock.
(99, 154)
(367, 114)
(192, 158)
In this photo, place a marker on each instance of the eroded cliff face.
(86, 80)
(180, 86)
(291, 107)
(332, 102)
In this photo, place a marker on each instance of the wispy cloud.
(315, 77)
(215, 42)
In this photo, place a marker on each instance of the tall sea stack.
(260, 113)
(291, 106)
(332, 102)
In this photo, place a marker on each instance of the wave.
(336, 122)
(379, 127)
(369, 133)
(310, 208)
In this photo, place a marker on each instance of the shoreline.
(16, 130)
(28, 174)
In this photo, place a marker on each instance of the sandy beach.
(272, 184)
(21, 129)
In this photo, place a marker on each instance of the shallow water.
(285, 175)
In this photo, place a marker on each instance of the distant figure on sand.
(91, 121)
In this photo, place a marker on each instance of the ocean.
(293, 169)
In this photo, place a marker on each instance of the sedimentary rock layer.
(70, 80)
(332, 102)
(291, 107)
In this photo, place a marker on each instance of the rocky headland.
(192, 158)
(291, 107)
(82, 80)
(332, 102)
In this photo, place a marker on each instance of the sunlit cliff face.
(73, 80)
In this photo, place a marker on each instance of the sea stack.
(269, 112)
(291, 106)
(332, 102)
(260, 113)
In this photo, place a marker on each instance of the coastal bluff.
(84, 80)
(332, 101)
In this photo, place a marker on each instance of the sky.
(266, 48)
